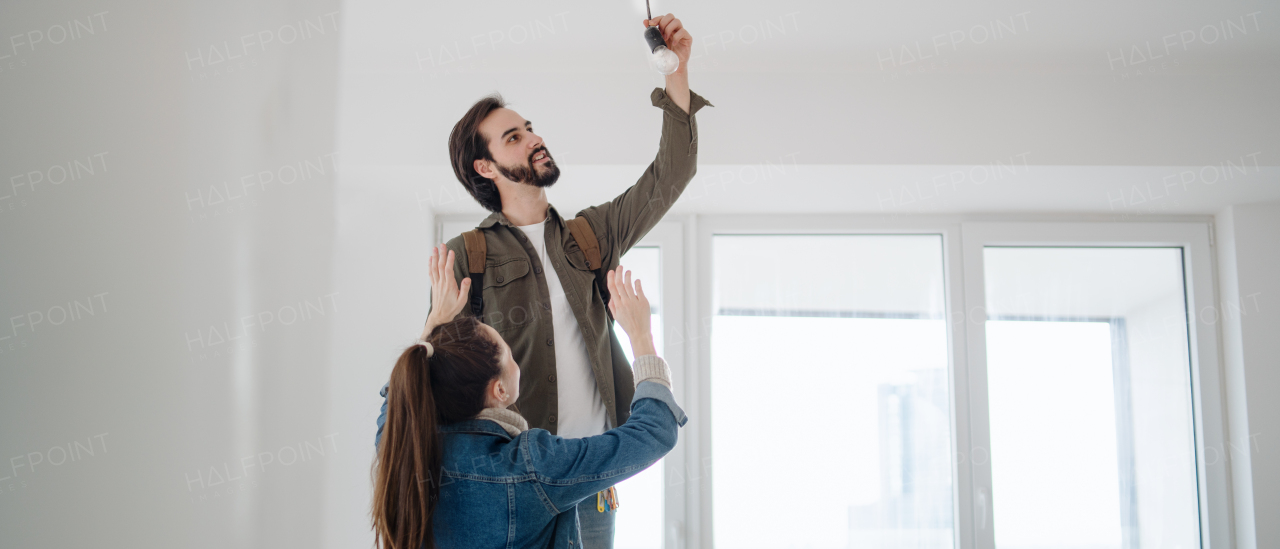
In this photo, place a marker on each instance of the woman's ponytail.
(408, 464)
(459, 361)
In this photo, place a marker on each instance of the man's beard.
(529, 174)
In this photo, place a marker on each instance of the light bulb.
(666, 60)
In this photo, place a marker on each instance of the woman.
(456, 468)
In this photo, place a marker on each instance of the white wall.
(1249, 260)
(383, 242)
(167, 406)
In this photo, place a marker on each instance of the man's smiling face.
(518, 154)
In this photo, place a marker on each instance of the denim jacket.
(503, 491)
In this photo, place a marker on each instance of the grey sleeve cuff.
(651, 368)
(661, 393)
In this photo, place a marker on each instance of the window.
(829, 391)
(953, 385)
(1092, 387)
(640, 498)
(1090, 398)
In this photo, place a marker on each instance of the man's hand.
(681, 43)
(678, 40)
(447, 298)
(631, 309)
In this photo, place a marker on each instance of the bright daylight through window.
(639, 522)
(844, 365)
(1090, 399)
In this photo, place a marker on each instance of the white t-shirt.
(580, 410)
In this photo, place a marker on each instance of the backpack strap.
(580, 228)
(477, 249)
(586, 239)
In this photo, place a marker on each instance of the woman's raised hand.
(447, 297)
(630, 309)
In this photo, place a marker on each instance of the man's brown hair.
(466, 145)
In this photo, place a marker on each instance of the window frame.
(707, 227)
(668, 237)
(1194, 238)
(685, 242)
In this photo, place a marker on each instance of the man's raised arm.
(624, 220)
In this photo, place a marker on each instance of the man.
(538, 290)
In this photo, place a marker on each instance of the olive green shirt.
(517, 302)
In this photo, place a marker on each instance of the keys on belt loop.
(607, 500)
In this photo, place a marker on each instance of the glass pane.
(1090, 398)
(640, 498)
(829, 393)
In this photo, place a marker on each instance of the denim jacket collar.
(511, 422)
(476, 427)
(498, 422)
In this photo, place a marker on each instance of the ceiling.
(844, 89)
(807, 35)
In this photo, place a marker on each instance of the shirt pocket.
(508, 291)
(582, 276)
(503, 272)
(577, 259)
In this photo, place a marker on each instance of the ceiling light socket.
(653, 36)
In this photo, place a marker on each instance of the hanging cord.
(647, 11)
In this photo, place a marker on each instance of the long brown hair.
(467, 144)
(425, 393)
